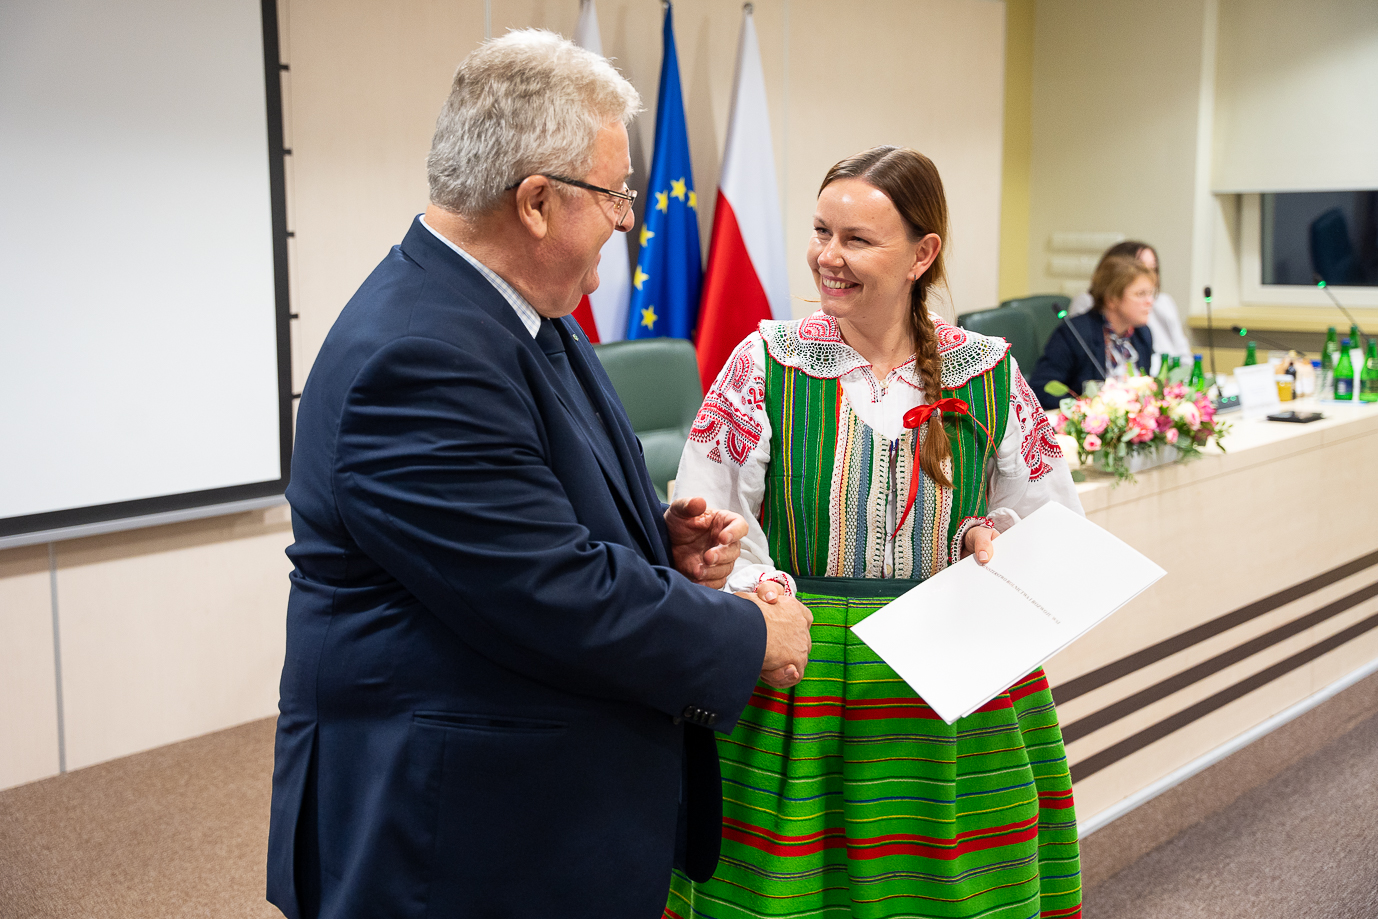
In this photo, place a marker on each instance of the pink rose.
(1163, 422)
(1092, 443)
(1175, 391)
(1171, 435)
(1061, 424)
(1095, 424)
(1142, 434)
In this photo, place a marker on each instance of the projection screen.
(144, 353)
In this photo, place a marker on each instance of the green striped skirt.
(848, 796)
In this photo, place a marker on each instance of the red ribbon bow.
(913, 419)
(921, 413)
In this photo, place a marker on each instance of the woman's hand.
(770, 593)
(980, 540)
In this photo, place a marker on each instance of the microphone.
(1242, 332)
(1062, 314)
(1320, 282)
(1210, 329)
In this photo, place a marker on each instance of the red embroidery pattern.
(819, 327)
(950, 338)
(722, 420)
(778, 578)
(1040, 441)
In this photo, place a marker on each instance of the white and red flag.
(603, 313)
(746, 280)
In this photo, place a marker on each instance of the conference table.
(1270, 603)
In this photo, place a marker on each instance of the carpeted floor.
(181, 832)
(1302, 846)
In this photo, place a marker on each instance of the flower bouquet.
(1126, 421)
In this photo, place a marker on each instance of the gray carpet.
(1303, 845)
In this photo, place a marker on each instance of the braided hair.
(911, 182)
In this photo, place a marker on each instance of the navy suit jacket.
(488, 653)
(1065, 360)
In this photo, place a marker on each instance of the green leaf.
(1056, 388)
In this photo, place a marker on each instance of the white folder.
(970, 632)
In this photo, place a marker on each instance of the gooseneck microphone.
(1062, 314)
(1243, 332)
(1320, 282)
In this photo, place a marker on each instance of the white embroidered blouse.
(728, 452)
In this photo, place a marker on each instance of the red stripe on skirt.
(879, 846)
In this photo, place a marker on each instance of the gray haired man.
(505, 658)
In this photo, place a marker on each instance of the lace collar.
(814, 345)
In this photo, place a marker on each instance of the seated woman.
(1107, 342)
(1166, 325)
(870, 446)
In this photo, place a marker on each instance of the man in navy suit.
(504, 656)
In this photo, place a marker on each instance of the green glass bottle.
(1197, 381)
(1368, 380)
(1355, 338)
(1176, 361)
(1251, 355)
(1344, 375)
(1330, 354)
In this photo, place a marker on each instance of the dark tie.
(553, 345)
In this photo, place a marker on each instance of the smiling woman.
(868, 447)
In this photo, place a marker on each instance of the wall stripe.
(1102, 676)
(1113, 754)
(1161, 690)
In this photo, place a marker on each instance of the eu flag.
(665, 283)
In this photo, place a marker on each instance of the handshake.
(787, 634)
(704, 544)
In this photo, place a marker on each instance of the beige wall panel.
(1297, 487)
(28, 712)
(1294, 95)
(367, 82)
(1146, 766)
(925, 74)
(171, 632)
(1150, 715)
(1115, 99)
(1273, 501)
(1219, 644)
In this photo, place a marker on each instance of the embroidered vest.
(830, 477)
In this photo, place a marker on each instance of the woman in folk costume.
(869, 446)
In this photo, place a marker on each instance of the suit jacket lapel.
(590, 373)
(422, 246)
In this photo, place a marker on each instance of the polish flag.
(746, 280)
(603, 313)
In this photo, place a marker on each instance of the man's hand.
(704, 543)
(980, 540)
(787, 635)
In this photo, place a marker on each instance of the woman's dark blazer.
(1065, 360)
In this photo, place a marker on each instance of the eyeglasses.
(622, 200)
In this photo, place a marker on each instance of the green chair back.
(657, 380)
(1014, 326)
(1040, 310)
